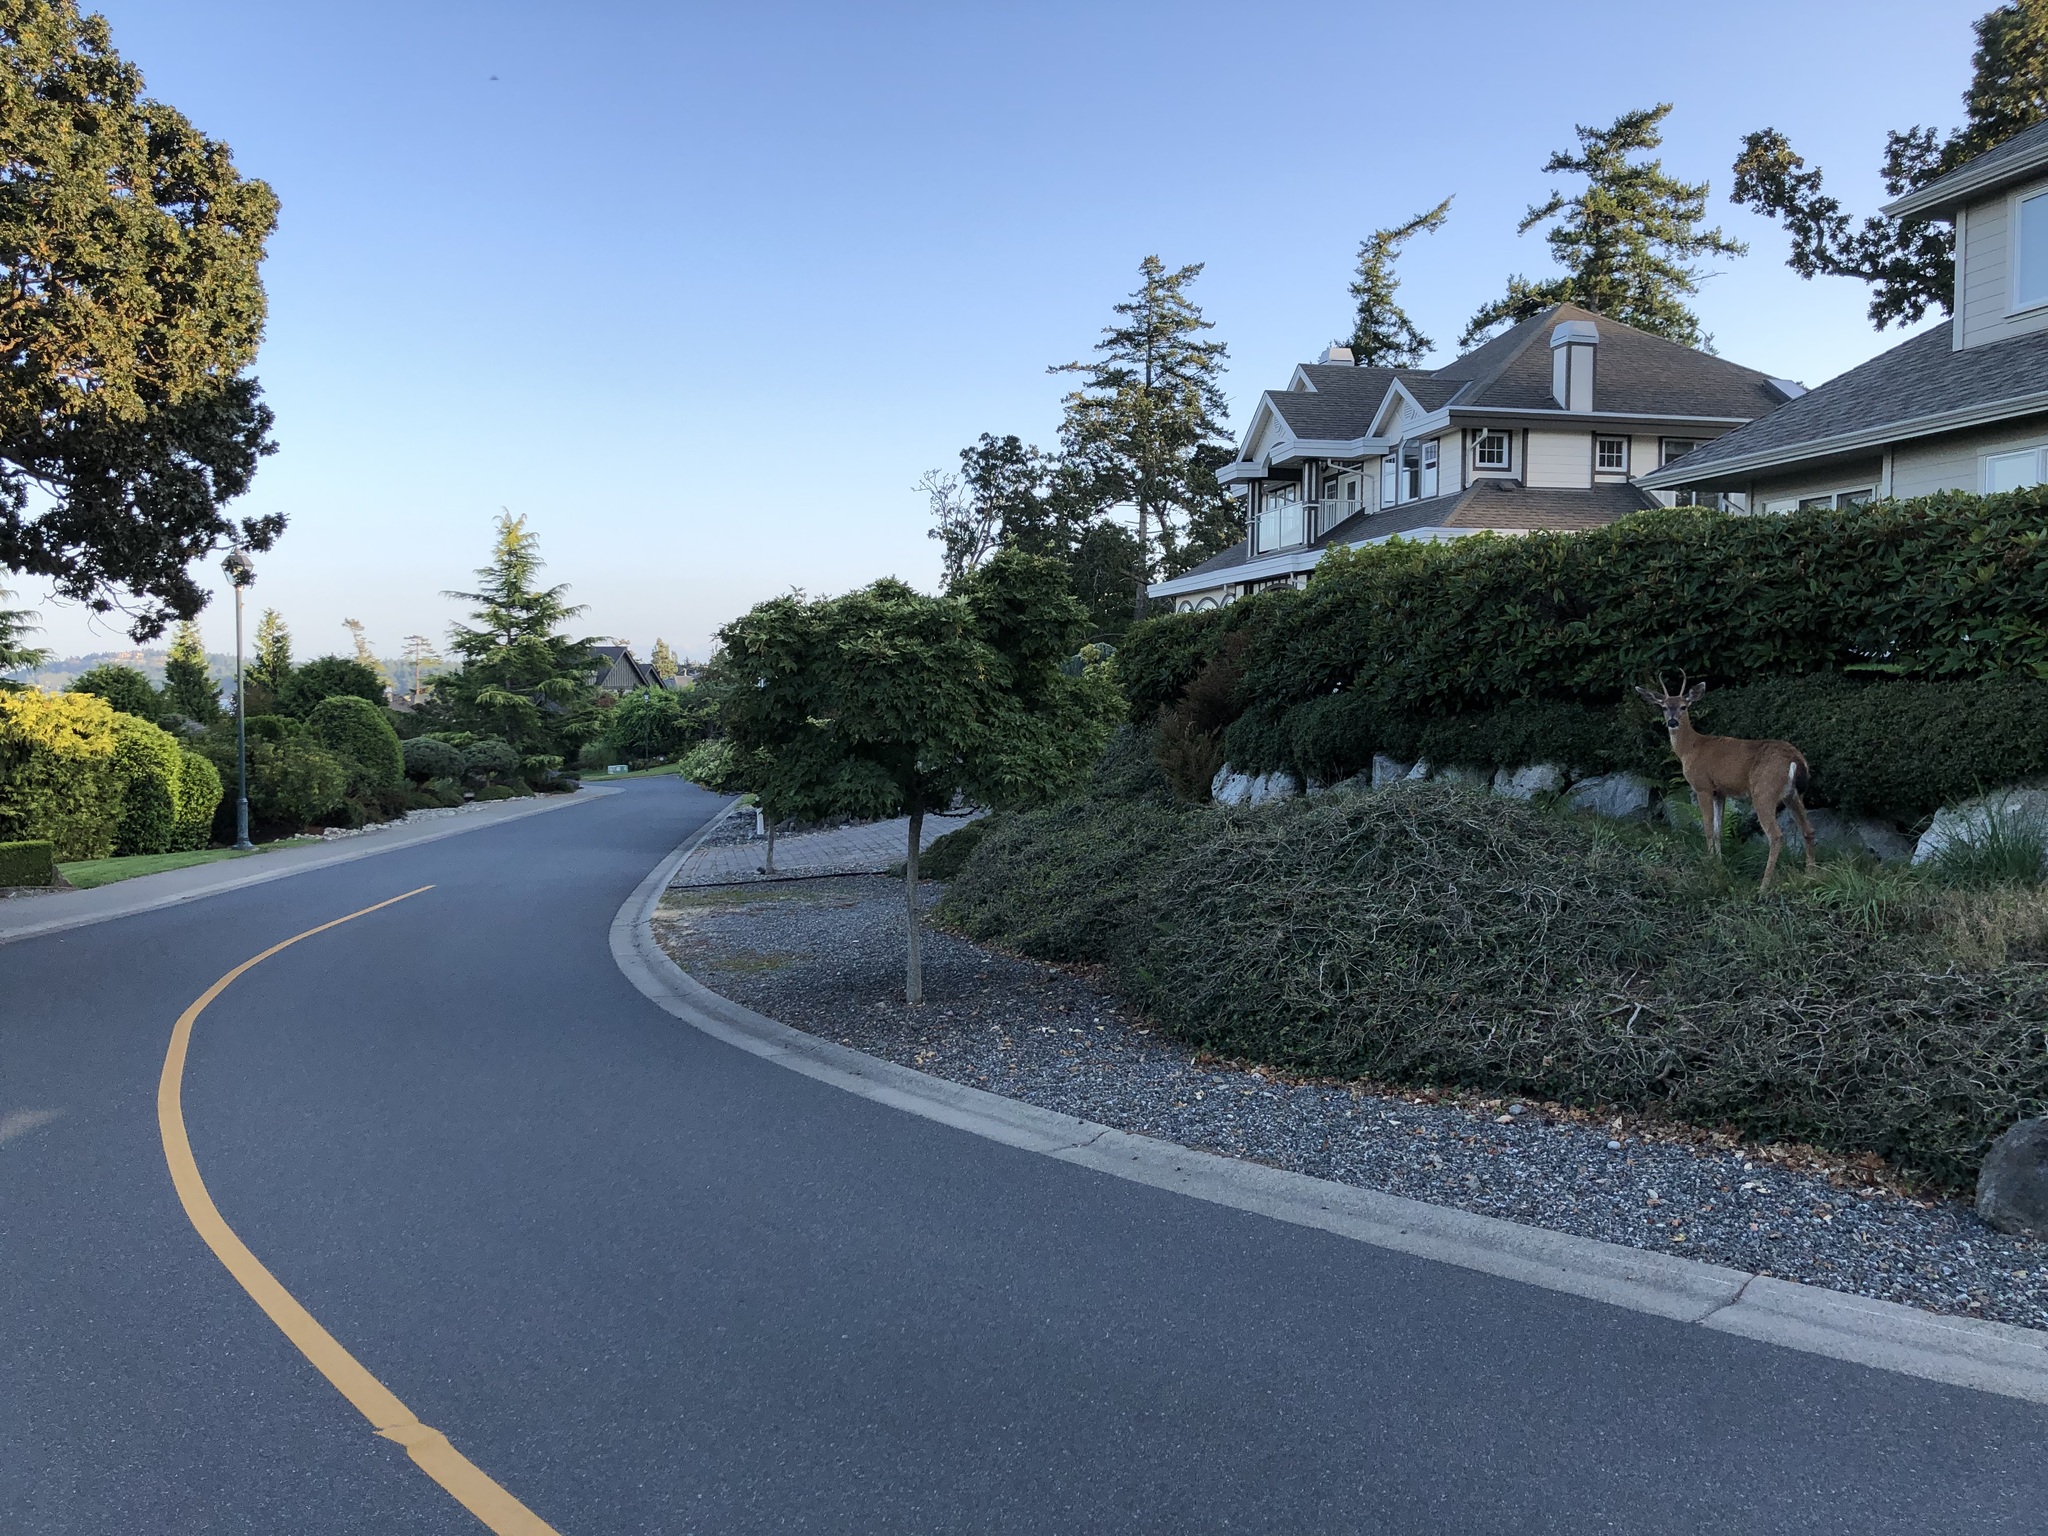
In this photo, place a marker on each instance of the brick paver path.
(871, 849)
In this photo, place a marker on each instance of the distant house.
(1552, 425)
(618, 671)
(1959, 407)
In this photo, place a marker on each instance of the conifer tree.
(189, 688)
(1626, 242)
(1382, 335)
(1909, 266)
(16, 654)
(1149, 406)
(663, 660)
(273, 664)
(520, 675)
(366, 656)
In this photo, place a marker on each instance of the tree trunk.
(913, 971)
(1138, 603)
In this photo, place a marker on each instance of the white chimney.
(1572, 346)
(1333, 353)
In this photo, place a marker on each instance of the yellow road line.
(428, 1447)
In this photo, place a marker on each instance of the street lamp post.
(241, 573)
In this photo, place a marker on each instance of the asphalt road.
(651, 1283)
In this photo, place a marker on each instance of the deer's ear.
(1653, 698)
(1695, 693)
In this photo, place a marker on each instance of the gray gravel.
(826, 956)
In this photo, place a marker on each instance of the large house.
(1959, 407)
(1552, 425)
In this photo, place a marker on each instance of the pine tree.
(1909, 266)
(365, 655)
(273, 664)
(1625, 242)
(1382, 335)
(189, 688)
(16, 654)
(1150, 404)
(520, 676)
(663, 660)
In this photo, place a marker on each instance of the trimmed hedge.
(426, 758)
(360, 734)
(30, 863)
(147, 760)
(199, 793)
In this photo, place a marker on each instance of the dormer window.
(1490, 451)
(2030, 252)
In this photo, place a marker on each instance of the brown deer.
(1772, 773)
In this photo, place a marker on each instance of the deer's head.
(1673, 706)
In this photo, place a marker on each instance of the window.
(1429, 468)
(2030, 252)
(1809, 503)
(1387, 481)
(1411, 471)
(1279, 525)
(1677, 448)
(2011, 471)
(1856, 498)
(1610, 453)
(1490, 451)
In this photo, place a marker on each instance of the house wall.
(1984, 273)
(1560, 459)
(1954, 461)
(1783, 492)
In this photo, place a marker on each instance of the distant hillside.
(54, 675)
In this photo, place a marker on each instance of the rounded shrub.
(294, 782)
(198, 796)
(358, 732)
(147, 760)
(58, 779)
(328, 677)
(489, 759)
(122, 687)
(426, 758)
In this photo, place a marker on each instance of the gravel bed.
(826, 956)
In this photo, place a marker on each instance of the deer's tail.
(1797, 778)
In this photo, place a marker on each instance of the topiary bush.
(28, 863)
(357, 732)
(147, 763)
(426, 758)
(198, 797)
(488, 759)
(58, 778)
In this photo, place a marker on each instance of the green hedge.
(199, 793)
(30, 863)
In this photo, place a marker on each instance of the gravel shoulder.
(826, 956)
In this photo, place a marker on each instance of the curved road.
(651, 1283)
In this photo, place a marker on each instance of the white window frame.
(1985, 462)
(1507, 453)
(1666, 456)
(2017, 305)
(1601, 439)
(1432, 461)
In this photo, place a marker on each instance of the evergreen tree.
(366, 656)
(124, 689)
(273, 663)
(663, 660)
(189, 688)
(16, 654)
(1382, 335)
(521, 678)
(1626, 242)
(1909, 266)
(1149, 405)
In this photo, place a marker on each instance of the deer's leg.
(1805, 827)
(1709, 804)
(1777, 840)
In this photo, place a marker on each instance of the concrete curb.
(1990, 1357)
(151, 893)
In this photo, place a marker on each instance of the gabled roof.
(1921, 386)
(1333, 411)
(2024, 154)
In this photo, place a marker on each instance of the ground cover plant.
(1432, 935)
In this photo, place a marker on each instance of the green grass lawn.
(87, 873)
(601, 776)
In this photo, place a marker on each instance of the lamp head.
(240, 569)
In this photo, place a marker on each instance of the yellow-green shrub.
(198, 795)
(59, 779)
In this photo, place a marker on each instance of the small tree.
(1382, 335)
(1139, 428)
(189, 688)
(886, 702)
(273, 664)
(1626, 242)
(16, 654)
(662, 659)
(1909, 266)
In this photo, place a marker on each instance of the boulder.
(1386, 771)
(1884, 840)
(1421, 770)
(2012, 1186)
(1528, 783)
(1230, 787)
(1620, 795)
(1471, 778)
(1278, 785)
(2019, 809)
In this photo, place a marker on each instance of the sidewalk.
(874, 848)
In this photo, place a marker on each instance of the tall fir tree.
(1909, 265)
(16, 654)
(273, 664)
(1626, 242)
(1382, 335)
(663, 659)
(189, 688)
(1149, 406)
(521, 677)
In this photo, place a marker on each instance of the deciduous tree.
(1626, 242)
(1382, 335)
(1909, 265)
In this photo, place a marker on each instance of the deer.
(1772, 773)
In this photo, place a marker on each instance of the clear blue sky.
(702, 290)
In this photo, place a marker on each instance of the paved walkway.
(873, 848)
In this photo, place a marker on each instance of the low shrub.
(1130, 768)
(360, 734)
(489, 759)
(273, 727)
(501, 792)
(28, 863)
(943, 860)
(426, 758)
(708, 763)
(1427, 934)
(293, 782)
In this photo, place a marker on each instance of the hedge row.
(1430, 935)
(95, 782)
(32, 863)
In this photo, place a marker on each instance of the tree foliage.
(128, 419)
(1626, 242)
(656, 722)
(16, 654)
(1146, 426)
(1382, 335)
(327, 677)
(189, 688)
(124, 688)
(1909, 264)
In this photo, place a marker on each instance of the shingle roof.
(1923, 379)
(2024, 152)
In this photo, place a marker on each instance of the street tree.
(887, 702)
(1909, 264)
(128, 417)
(522, 678)
(189, 688)
(1382, 335)
(1143, 429)
(16, 654)
(1627, 241)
